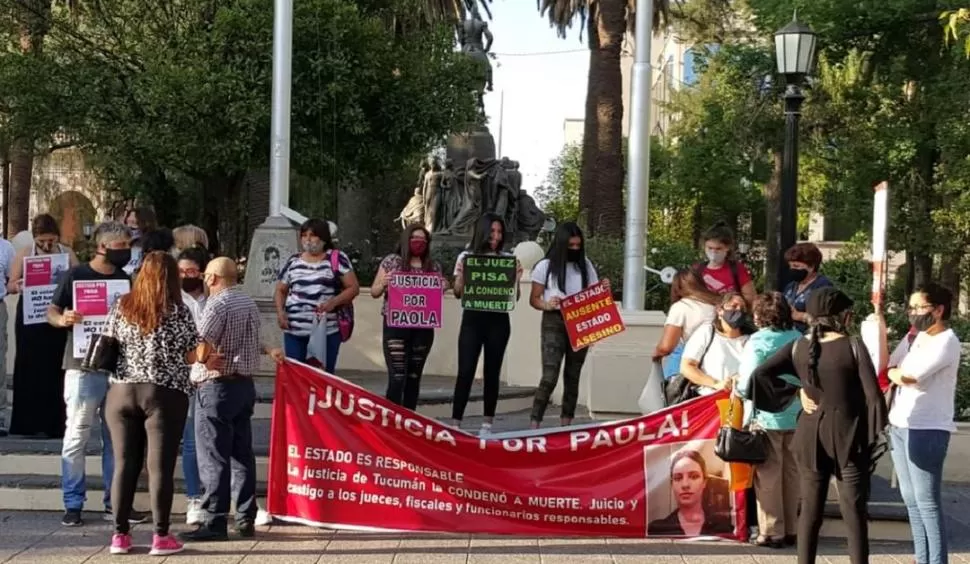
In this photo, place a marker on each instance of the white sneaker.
(486, 430)
(194, 515)
(263, 518)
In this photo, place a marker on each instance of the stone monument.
(475, 40)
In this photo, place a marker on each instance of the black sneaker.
(134, 518)
(204, 534)
(246, 530)
(72, 518)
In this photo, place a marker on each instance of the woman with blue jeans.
(191, 265)
(924, 377)
(314, 283)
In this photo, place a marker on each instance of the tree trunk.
(5, 191)
(354, 218)
(601, 177)
(21, 175)
(772, 220)
(222, 214)
(950, 276)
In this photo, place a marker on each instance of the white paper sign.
(93, 300)
(41, 275)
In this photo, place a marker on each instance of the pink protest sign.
(91, 298)
(414, 300)
(37, 271)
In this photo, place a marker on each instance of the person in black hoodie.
(843, 419)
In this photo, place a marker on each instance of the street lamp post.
(795, 55)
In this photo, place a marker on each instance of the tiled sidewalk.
(38, 537)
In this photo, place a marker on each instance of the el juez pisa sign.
(489, 283)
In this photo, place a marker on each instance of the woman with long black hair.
(844, 415)
(406, 349)
(482, 331)
(564, 271)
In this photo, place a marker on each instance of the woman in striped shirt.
(313, 283)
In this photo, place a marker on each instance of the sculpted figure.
(413, 212)
(476, 41)
(530, 218)
(430, 192)
(449, 199)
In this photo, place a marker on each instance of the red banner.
(344, 457)
(591, 315)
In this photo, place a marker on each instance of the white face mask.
(716, 257)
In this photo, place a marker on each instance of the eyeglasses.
(190, 272)
(922, 307)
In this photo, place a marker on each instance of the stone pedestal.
(616, 369)
(478, 143)
(273, 242)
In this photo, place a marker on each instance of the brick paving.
(38, 537)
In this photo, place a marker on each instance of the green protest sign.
(489, 283)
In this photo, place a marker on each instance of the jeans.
(224, 443)
(84, 394)
(481, 331)
(190, 462)
(294, 346)
(405, 352)
(147, 422)
(4, 409)
(918, 457)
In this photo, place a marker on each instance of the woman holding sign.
(38, 379)
(408, 323)
(487, 283)
(564, 272)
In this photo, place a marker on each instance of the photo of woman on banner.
(700, 499)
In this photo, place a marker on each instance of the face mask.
(573, 255)
(191, 284)
(135, 233)
(417, 247)
(313, 247)
(733, 318)
(118, 258)
(923, 321)
(45, 247)
(716, 257)
(798, 275)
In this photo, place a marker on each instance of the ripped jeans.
(405, 352)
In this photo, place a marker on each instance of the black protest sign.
(489, 283)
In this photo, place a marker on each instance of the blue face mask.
(733, 318)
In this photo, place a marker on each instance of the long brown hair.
(404, 248)
(155, 294)
(687, 284)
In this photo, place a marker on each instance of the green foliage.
(559, 197)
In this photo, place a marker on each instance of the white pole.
(501, 121)
(638, 163)
(279, 162)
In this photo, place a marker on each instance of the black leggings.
(140, 415)
(480, 330)
(405, 352)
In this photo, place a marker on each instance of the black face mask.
(119, 258)
(573, 255)
(733, 318)
(191, 284)
(923, 321)
(797, 275)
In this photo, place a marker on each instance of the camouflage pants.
(555, 348)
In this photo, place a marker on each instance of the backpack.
(732, 264)
(345, 313)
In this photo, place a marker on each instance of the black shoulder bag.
(749, 446)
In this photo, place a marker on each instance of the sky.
(543, 78)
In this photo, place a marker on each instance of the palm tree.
(606, 23)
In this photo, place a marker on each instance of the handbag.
(344, 313)
(749, 446)
(102, 354)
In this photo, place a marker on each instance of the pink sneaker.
(120, 544)
(163, 546)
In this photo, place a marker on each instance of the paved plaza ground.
(39, 537)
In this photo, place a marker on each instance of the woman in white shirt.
(712, 356)
(924, 375)
(564, 272)
(691, 306)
